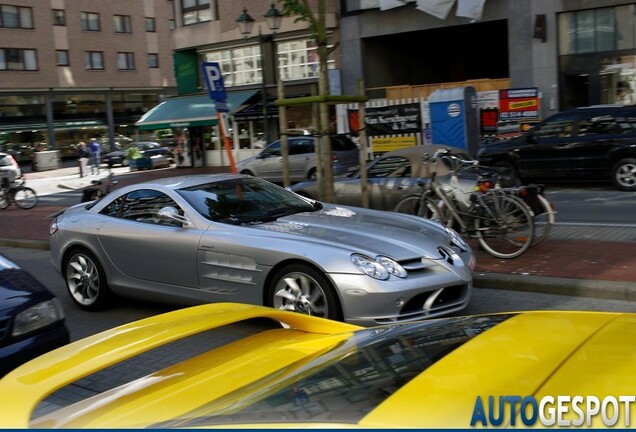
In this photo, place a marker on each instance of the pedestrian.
(83, 155)
(94, 155)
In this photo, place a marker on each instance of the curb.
(556, 285)
(25, 243)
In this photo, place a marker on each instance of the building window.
(196, 11)
(296, 60)
(597, 30)
(153, 60)
(239, 66)
(16, 17)
(59, 17)
(94, 60)
(62, 57)
(90, 21)
(172, 24)
(151, 25)
(122, 23)
(125, 61)
(299, 60)
(17, 59)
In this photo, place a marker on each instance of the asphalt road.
(83, 324)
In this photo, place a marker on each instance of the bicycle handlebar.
(456, 163)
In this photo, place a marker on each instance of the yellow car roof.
(527, 354)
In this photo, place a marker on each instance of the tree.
(318, 29)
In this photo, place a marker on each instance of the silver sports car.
(231, 237)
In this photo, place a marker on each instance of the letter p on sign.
(214, 80)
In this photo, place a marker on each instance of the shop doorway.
(576, 90)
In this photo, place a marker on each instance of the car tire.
(302, 288)
(624, 174)
(247, 172)
(311, 175)
(86, 280)
(124, 162)
(509, 175)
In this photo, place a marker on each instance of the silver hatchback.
(268, 164)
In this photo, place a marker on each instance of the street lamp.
(246, 23)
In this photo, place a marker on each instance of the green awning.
(189, 111)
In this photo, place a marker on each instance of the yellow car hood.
(531, 354)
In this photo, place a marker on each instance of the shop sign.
(389, 120)
(519, 104)
(385, 144)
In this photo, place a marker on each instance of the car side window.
(272, 150)
(599, 125)
(113, 209)
(341, 143)
(142, 206)
(395, 166)
(560, 127)
(301, 146)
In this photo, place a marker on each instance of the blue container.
(454, 118)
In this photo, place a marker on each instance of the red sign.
(519, 104)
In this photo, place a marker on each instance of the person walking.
(82, 156)
(94, 154)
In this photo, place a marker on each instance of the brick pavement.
(558, 265)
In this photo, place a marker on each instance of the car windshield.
(244, 201)
(345, 383)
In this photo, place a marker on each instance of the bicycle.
(18, 193)
(502, 223)
(534, 196)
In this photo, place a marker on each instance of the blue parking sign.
(214, 80)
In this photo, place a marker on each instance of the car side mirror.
(171, 213)
(531, 138)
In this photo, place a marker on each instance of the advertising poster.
(519, 104)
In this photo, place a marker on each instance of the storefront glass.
(618, 80)
(76, 117)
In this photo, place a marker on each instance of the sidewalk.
(595, 262)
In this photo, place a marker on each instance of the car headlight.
(38, 316)
(379, 268)
(456, 239)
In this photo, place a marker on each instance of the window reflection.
(346, 383)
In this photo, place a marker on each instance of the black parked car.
(597, 142)
(31, 317)
(118, 157)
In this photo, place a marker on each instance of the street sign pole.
(216, 89)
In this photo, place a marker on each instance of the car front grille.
(432, 304)
(419, 264)
(435, 300)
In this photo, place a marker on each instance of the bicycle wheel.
(4, 200)
(25, 197)
(506, 228)
(426, 208)
(543, 221)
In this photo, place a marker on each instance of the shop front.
(194, 125)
